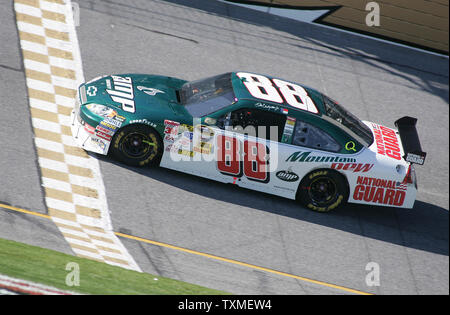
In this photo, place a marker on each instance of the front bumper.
(84, 139)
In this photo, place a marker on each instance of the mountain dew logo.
(123, 93)
(309, 157)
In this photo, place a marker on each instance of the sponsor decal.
(382, 191)
(386, 141)
(415, 158)
(350, 146)
(185, 138)
(103, 136)
(170, 130)
(119, 118)
(287, 176)
(123, 93)
(206, 133)
(148, 90)
(204, 147)
(188, 135)
(91, 91)
(89, 128)
(99, 128)
(309, 157)
(143, 121)
(288, 129)
(186, 152)
(267, 106)
(110, 124)
(99, 142)
(355, 167)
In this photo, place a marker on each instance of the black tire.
(137, 145)
(323, 190)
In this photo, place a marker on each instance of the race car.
(252, 130)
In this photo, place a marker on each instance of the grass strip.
(48, 267)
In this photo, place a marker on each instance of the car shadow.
(422, 71)
(425, 227)
(426, 72)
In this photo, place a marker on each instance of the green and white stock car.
(254, 131)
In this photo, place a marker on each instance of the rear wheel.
(137, 145)
(323, 190)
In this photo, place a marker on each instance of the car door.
(190, 148)
(249, 147)
(307, 147)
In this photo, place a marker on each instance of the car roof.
(241, 92)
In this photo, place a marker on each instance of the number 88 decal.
(254, 164)
(261, 87)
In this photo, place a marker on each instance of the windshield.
(207, 96)
(347, 119)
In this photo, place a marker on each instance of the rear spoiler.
(410, 139)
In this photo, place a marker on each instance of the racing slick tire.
(323, 190)
(137, 145)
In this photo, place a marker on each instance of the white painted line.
(53, 7)
(54, 25)
(85, 220)
(56, 184)
(85, 253)
(65, 121)
(60, 205)
(44, 124)
(50, 107)
(27, 9)
(40, 85)
(66, 222)
(31, 28)
(34, 47)
(65, 101)
(49, 145)
(37, 66)
(63, 82)
(53, 165)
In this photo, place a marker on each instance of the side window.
(259, 123)
(307, 135)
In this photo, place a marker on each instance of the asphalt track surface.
(241, 230)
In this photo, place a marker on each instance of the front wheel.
(137, 145)
(323, 190)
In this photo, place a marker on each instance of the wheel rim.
(137, 145)
(323, 190)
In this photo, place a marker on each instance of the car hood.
(136, 95)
